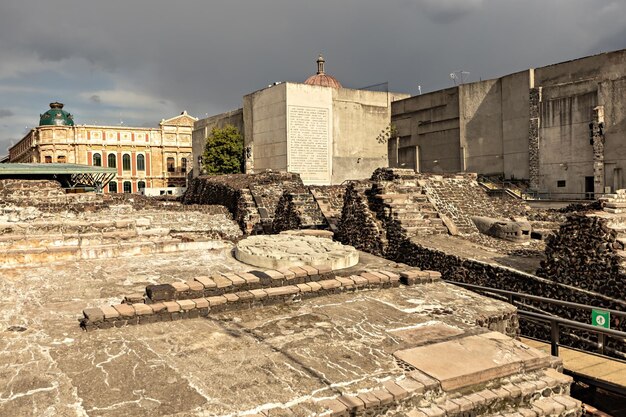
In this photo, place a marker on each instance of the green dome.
(56, 116)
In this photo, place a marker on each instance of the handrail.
(555, 321)
(512, 294)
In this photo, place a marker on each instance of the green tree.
(223, 151)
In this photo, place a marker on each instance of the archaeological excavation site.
(406, 294)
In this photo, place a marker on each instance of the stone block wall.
(251, 198)
(14, 189)
(231, 291)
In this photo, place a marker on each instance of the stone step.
(416, 215)
(425, 222)
(425, 230)
(67, 226)
(394, 198)
(615, 204)
(555, 406)
(26, 241)
(43, 255)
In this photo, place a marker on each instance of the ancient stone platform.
(284, 250)
(319, 356)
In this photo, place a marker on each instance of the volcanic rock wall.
(586, 253)
(329, 198)
(251, 198)
(359, 226)
(297, 209)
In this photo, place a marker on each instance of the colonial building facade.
(144, 157)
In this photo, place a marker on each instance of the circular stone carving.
(283, 251)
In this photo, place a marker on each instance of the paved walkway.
(587, 364)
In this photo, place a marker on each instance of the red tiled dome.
(324, 80)
(321, 78)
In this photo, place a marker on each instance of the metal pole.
(554, 338)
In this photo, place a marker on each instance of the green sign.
(601, 318)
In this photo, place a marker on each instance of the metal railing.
(556, 322)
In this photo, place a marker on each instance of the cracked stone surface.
(233, 363)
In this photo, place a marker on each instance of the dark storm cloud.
(5, 113)
(153, 59)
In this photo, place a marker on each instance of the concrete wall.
(570, 91)
(515, 123)
(428, 132)
(484, 127)
(612, 95)
(265, 128)
(565, 153)
(609, 65)
(480, 124)
(202, 128)
(326, 135)
(359, 116)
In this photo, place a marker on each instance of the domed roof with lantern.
(56, 116)
(321, 78)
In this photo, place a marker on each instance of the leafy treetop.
(223, 151)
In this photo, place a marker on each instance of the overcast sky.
(139, 61)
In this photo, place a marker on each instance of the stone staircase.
(614, 207)
(330, 201)
(59, 239)
(614, 203)
(297, 209)
(310, 214)
(405, 201)
(541, 393)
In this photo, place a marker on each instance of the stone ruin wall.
(251, 198)
(593, 279)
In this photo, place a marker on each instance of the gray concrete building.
(318, 129)
(561, 127)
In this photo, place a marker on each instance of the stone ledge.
(201, 303)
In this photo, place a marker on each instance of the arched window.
(112, 160)
(128, 187)
(141, 162)
(97, 160)
(113, 187)
(61, 159)
(141, 185)
(183, 165)
(126, 162)
(48, 159)
(171, 164)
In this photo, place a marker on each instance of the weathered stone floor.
(236, 362)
